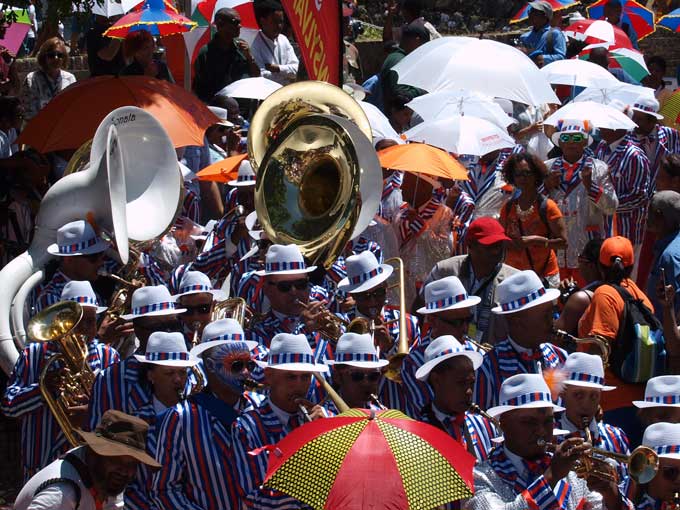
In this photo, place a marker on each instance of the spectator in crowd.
(669, 173)
(600, 56)
(613, 11)
(271, 49)
(42, 85)
(411, 10)
(225, 59)
(656, 65)
(542, 39)
(138, 48)
(664, 221)
(104, 54)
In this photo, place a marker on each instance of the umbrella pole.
(187, 57)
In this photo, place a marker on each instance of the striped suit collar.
(506, 469)
(140, 397)
(268, 419)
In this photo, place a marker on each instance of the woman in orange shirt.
(533, 222)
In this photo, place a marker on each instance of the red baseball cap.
(617, 246)
(486, 231)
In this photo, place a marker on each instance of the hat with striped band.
(523, 391)
(364, 272)
(521, 291)
(77, 238)
(81, 293)
(195, 282)
(245, 176)
(572, 127)
(647, 104)
(664, 439)
(357, 351)
(167, 349)
(222, 332)
(293, 353)
(586, 370)
(251, 221)
(661, 391)
(441, 349)
(152, 301)
(284, 259)
(447, 294)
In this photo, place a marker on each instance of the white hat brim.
(360, 364)
(653, 114)
(98, 247)
(218, 294)
(466, 303)
(240, 184)
(424, 371)
(550, 295)
(262, 272)
(669, 455)
(192, 361)
(294, 367)
(157, 313)
(643, 404)
(345, 286)
(495, 412)
(256, 234)
(586, 384)
(204, 346)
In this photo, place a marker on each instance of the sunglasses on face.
(170, 327)
(54, 54)
(374, 294)
(238, 365)
(358, 377)
(456, 323)
(197, 309)
(287, 286)
(526, 173)
(572, 137)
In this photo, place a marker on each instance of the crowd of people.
(539, 321)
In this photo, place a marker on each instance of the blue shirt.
(666, 256)
(537, 42)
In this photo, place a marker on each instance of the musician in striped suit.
(661, 401)
(527, 306)
(194, 438)
(197, 296)
(661, 492)
(288, 372)
(449, 369)
(42, 440)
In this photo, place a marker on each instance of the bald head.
(600, 56)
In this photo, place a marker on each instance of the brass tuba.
(57, 324)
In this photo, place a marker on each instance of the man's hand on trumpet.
(382, 338)
(313, 315)
(565, 457)
(313, 411)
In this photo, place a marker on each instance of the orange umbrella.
(421, 158)
(71, 118)
(222, 171)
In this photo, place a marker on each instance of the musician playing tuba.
(42, 439)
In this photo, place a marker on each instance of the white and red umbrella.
(597, 31)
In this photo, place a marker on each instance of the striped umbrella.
(155, 17)
(631, 61)
(640, 19)
(670, 21)
(363, 459)
(557, 5)
(671, 110)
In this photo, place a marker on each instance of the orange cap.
(617, 247)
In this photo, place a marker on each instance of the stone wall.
(77, 66)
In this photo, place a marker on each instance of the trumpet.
(374, 398)
(484, 347)
(253, 385)
(571, 344)
(332, 327)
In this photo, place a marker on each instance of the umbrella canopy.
(421, 158)
(448, 103)
(222, 171)
(597, 114)
(557, 5)
(593, 31)
(250, 88)
(485, 66)
(631, 61)
(72, 117)
(155, 18)
(380, 125)
(363, 459)
(624, 93)
(671, 110)
(462, 135)
(640, 19)
(109, 8)
(17, 30)
(578, 73)
(670, 21)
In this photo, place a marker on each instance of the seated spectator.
(138, 48)
(542, 39)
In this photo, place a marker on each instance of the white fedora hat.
(664, 439)
(522, 290)
(222, 332)
(151, 302)
(221, 114)
(291, 352)
(661, 391)
(441, 349)
(168, 349)
(572, 126)
(364, 272)
(585, 370)
(647, 104)
(357, 351)
(81, 293)
(447, 294)
(284, 259)
(245, 176)
(251, 219)
(195, 282)
(523, 391)
(77, 238)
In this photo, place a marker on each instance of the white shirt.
(280, 52)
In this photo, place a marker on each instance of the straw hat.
(364, 272)
(77, 238)
(291, 352)
(152, 301)
(357, 351)
(441, 349)
(523, 391)
(521, 291)
(447, 294)
(167, 349)
(81, 293)
(222, 332)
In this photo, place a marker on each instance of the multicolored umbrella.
(17, 30)
(671, 110)
(640, 19)
(594, 31)
(631, 61)
(557, 5)
(364, 459)
(670, 21)
(155, 18)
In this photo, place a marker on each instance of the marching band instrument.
(332, 326)
(133, 174)
(57, 324)
(305, 413)
(195, 338)
(252, 385)
(393, 371)
(571, 343)
(376, 401)
(340, 404)
(474, 408)
(484, 347)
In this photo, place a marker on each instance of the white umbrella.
(485, 66)
(448, 103)
(108, 8)
(250, 88)
(578, 73)
(599, 115)
(625, 93)
(380, 125)
(461, 135)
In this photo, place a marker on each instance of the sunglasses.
(358, 377)
(527, 173)
(198, 309)
(54, 54)
(287, 286)
(375, 294)
(171, 327)
(572, 137)
(238, 365)
(670, 473)
(456, 323)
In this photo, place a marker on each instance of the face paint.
(219, 362)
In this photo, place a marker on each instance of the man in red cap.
(481, 270)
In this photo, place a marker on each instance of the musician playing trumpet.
(197, 296)
(664, 489)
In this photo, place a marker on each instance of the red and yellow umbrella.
(364, 459)
(222, 171)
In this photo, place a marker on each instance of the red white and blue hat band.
(198, 286)
(232, 337)
(84, 300)
(577, 376)
(664, 399)
(528, 398)
(290, 357)
(76, 247)
(272, 267)
(244, 178)
(355, 356)
(518, 303)
(671, 448)
(644, 108)
(166, 356)
(155, 307)
(443, 303)
(364, 277)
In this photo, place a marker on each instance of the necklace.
(523, 215)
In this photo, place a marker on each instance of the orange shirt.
(602, 317)
(544, 259)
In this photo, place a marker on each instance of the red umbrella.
(593, 31)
